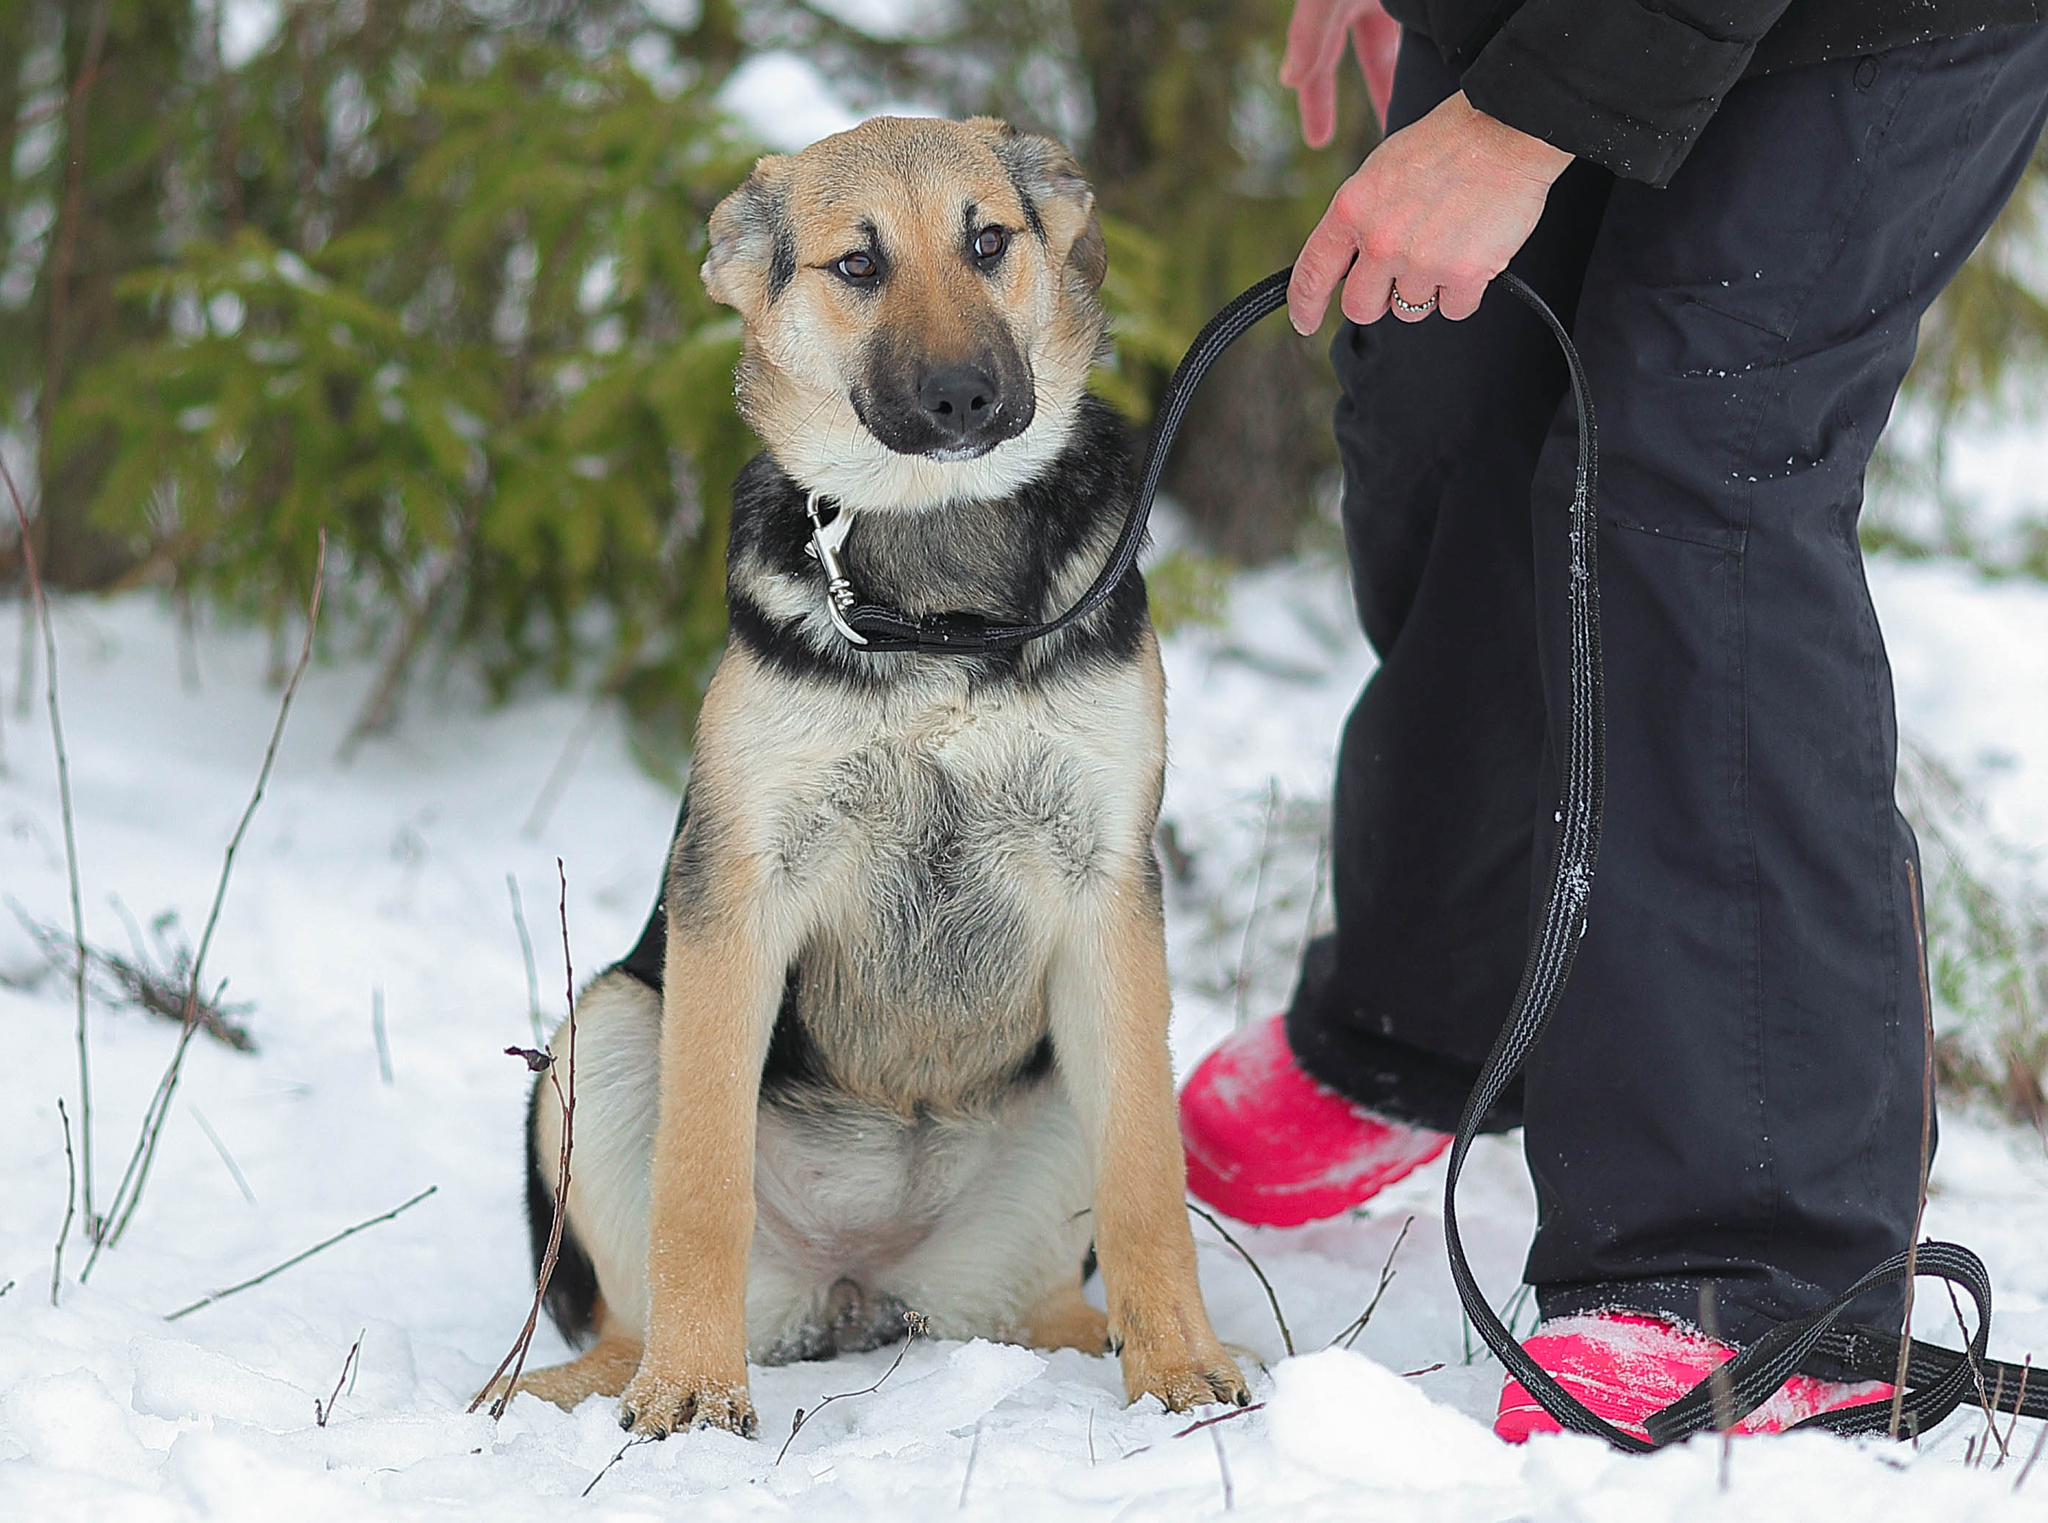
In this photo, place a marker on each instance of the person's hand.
(1315, 47)
(1434, 213)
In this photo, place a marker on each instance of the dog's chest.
(942, 855)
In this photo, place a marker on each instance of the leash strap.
(1939, 1379)
(885, 629)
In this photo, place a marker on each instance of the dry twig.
(973, 1453)
(377, 1033)
(42, 607)
(2040, 1439)
(1251, 921)
(1985, 1399)
(1232, 1415)
(1272, 1298)
(1717, 1382)
(526, 954)
(136, 1176)
(320, 1413)
(1926, 1150)
(70, 1204)
(914, 1325)
(1350, 1334)
(565, 1096)
(635, 1440)
(299, 1258)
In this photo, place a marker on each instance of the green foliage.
(1983, 348)
(1987, 951)
(498, 383)
(1186, 587)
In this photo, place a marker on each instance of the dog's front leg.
(722, 980)
(1109, 1008)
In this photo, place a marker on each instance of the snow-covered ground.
(384, 883)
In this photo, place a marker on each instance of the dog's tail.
(571, 1298)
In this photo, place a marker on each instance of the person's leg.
(1439, 427)
(1731, 1091)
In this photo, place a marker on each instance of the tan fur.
(909, 178)
(926, 1177)
(1066, 1320)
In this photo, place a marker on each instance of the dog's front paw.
(1189, 1376)
(656, 1404)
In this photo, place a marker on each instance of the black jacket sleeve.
(1627, 83)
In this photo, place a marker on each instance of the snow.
(386, 878)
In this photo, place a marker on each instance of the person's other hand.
(1435, 212)
(1315, 47)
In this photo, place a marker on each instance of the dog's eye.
(857, 267)
(989, 244)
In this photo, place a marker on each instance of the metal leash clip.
(826, 539)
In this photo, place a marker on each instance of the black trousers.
(1731, 1091)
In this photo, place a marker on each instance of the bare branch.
(42, 607)
(1272, 1298)
(322, 1413)
(1926, 1148)
(136, 1176)
(526, 952)
(515, 1357)
(70, 1204)
(636, 1439)
(1350, 1334)
(299, 1258)
(914, 1325)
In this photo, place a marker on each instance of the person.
(1741, 209)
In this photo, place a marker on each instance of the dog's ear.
(1059, 206)
(752, 257)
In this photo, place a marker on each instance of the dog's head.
(919, 299)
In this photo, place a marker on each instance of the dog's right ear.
(752, 258)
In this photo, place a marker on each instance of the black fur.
(571, 1299)
(1000, 559)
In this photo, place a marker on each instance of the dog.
(894, 1041)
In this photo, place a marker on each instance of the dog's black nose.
(958, 400)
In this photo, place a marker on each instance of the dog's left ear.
(1059, 205)
(752, 257)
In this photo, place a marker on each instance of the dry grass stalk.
(322, 1413)
(1251, 921)
(377, 1034)
(526, 955)
(1926, 1150)
(1717, 1382)
(136, 1176)
(42, 608)
(973, 1453)
(299, 1258)
(156, 985)
(565, 1096)
(915, 1324)
(1272, 1298)
(227, 1159)
(70, 1204)
(1350, 1334)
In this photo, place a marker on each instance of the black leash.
(1938, 1379)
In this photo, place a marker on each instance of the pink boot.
(1626, 1366)
(1268, 1145)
